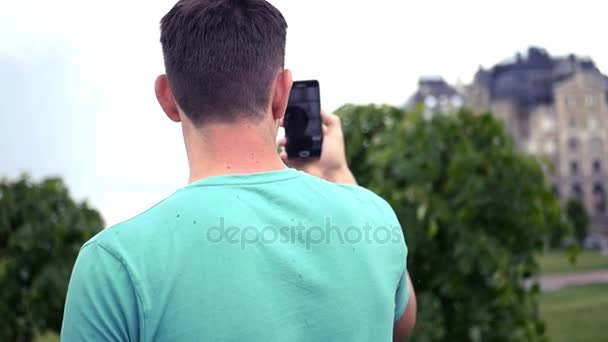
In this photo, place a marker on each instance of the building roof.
(528, 80)
(433, 86)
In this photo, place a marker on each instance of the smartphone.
(303, 126)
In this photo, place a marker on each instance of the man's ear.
(165, 98)
(280, 94)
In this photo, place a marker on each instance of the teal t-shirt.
(277, 256)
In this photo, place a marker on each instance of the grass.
(577, 314)
(557, 262)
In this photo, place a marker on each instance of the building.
(556, 108)
(437, 96)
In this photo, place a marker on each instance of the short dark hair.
(221, 57)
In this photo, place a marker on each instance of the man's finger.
(282, 141)
(294, 163)
(284, 157)
(329, 119)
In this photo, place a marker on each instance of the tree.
(579, 219)
(41, 232)
(475, 213)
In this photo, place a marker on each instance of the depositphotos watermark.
(299, 234)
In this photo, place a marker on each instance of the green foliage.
(474, 211)
(578, 217)
(41, 232)
(578, 227)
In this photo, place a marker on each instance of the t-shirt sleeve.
(402, 293)
(101, 304)
(402, 296)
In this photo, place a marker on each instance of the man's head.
(224, 61)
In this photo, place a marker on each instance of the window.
(592, 124)
(574, 168)
(577, 191)
(457, 101)
(573, 144)
(599, 198)
(590, 101)
(598, 189)
(547, 124)
(600, 207)
(550, 148)
(430, 102)
(597, 167)
(572, 123)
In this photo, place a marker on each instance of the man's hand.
(332, 165)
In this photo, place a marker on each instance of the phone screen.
(303, 126)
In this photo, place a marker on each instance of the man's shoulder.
(135, 230)
(353, 191)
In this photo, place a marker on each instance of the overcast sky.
(76, 77)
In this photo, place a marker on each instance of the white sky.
(76, 77)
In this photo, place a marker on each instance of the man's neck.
(220, 150)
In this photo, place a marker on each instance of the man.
(251, 250)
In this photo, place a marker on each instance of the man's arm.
(101, 304)
(333, 167)
(405, 325)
